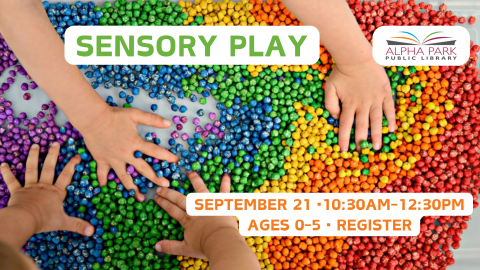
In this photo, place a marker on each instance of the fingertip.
(159, 189)
(165, 183)
(89, 231)
(140, 197)
(34, 146)
(158, 247)
(55, 144)
(391, 128)
(167, 123)
(4, 165)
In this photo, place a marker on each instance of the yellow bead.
(398, 163)
(384, 179)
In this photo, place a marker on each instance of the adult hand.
(113, 139)
(365, 93)
(40, 199)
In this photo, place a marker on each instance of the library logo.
(421, 45)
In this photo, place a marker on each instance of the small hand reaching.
(365, 93)
(113, 139)
(216, 237)
(40, 199)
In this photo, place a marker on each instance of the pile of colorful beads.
(269, 130)
(7, 57)
(64, 15)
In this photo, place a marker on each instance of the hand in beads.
(113, 140)
(215, 238)
(365, 94)
(39, 204)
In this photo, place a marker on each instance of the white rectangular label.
(339, 214)
(421, 45)
(188, 45)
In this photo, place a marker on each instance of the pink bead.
(217, 123)
(198, 129)
(221, 134)
(183, 119)
(212, 115)
(208, 126)
(215, 130)
(176, 119)
(205, 133)
(185, 136)
(179, 126)
(174, 134)
(196, 120)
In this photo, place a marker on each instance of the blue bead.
(138, 154)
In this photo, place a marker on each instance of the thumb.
(172, 247)
(79, 226)
(332, 103)
(150, 119)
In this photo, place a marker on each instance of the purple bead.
(179, 126)
(40, 115)
(27, 96)
(22, 115)
(198, 129)
(208, 126)
(24, 86)
(5, 86)
(44, 107)
(33, 85)
(215, 130)
(176, 119)
(205, 133)
(217, 123)
(10, 80)
(174, 134)
(185, 136)
(12, 73)
(35, 121)
(111, 176)
(51, 104)
(196, 120)
(212, 115)
(183, 119)
(221, 134)
(130, 169)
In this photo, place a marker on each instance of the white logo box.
(421, 45)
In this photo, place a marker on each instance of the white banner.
(189, 45)
(330, 214)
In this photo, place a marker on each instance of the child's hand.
(113, 139)
(41, 200)
(365, 93)
(215, 238)
(198, 230)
